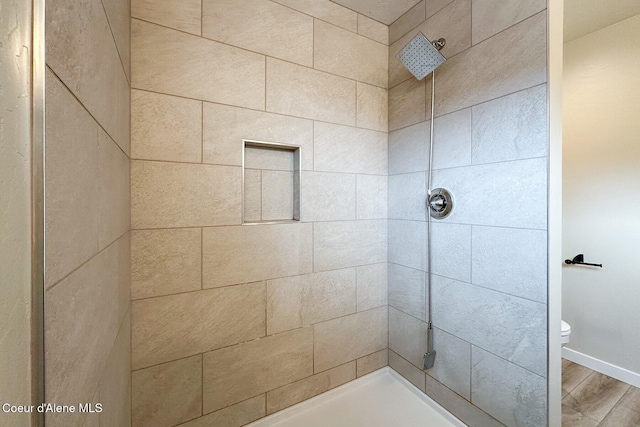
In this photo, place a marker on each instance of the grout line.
(75, 97)
(257, 110)
(437, 116)
(115, 44)
(201, 258)
(249, 283)
(95, 255)
(335, 25)
(256, 52)
(202, 384)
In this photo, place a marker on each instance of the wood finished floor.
(591, 399)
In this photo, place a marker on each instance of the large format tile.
(348, 338)
(408, 103)
(165, 262)
(435, 6)
(176, 63)
(90, 420)
(167, 394)
(412, 374)
(327, 196)
(236, 415)
(411, 19)
(371, 283)
(452, 22)
(372, 362)
(407, 290)
(225, 127)
(492, 16)
(513, 328)
(521, 187)
(280, 32)
(184, 16)
(409, 149)
(518, 55)
(340, 244)
(512, 127)
(371, 196)
(508, 392)
(346, 54)
(251, 253)
(573, 418)
(453, 362)
(350, 150)
(407, 196)
(82, 52)
(170, 327)
(463, 410)
(165, 127)
(511, 260)
(164, 195)
(631, 399)
(572, 375)
(114, 186)
(452, 140)
(115, 386)
(307, 388)
(84, 314)
(407, 337)
(621, 416)
(298, 301)
(408, 243)
(303, 92)
(451, 246)
(325, 10)
(373, 29)
(372, 107)
(237, 373)
(596, 395)
(71, 186)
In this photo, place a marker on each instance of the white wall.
(15, 193)
(601, 193)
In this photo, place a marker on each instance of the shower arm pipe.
(429, 317)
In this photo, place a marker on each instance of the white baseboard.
(601, 366)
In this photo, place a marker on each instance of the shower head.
(420, 56)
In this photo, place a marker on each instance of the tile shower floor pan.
(380, 399)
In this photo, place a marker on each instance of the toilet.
(565, 334)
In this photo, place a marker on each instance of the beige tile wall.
(238, 321)
(87, 186)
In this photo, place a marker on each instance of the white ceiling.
(385, 11)
(586, 16)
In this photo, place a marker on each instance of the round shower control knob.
(440, 203)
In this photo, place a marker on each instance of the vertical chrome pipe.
(430, 355)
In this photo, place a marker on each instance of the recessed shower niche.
(271, 182)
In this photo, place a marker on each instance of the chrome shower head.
(421, 57)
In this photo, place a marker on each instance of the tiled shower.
(185, 291)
